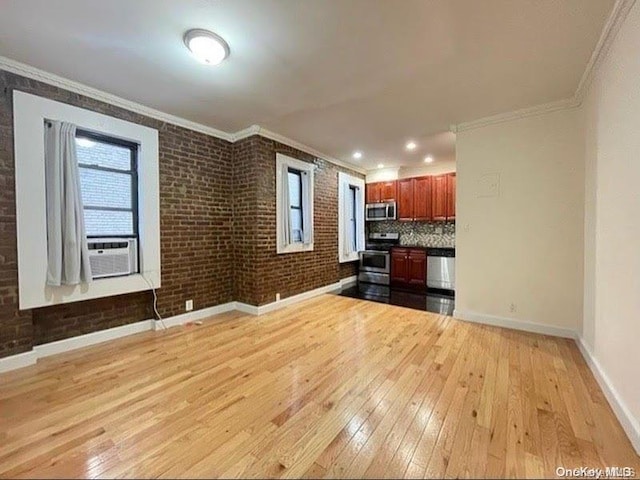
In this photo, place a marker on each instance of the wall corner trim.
(514, 324)
(630, 424)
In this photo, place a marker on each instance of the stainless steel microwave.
(376, 212)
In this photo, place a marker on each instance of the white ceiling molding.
(617, 17)
(263, 132)
(28, 71)
(76, 87)
(516, 114)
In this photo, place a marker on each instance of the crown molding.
(28, 71)
(516, 114)
(76, 87)
(263, 132)
(611, 28)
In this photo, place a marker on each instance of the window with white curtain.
(350, 217)
(294, 205)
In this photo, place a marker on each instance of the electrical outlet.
(277, 297)
(513, 308)
(188, 305)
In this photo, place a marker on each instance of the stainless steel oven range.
(375, 261)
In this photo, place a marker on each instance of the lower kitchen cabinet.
(409, 268)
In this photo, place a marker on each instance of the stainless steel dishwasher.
(441, 268)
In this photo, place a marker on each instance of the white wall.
(520, 202)
(612, 220)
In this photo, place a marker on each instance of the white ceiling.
(337, 75)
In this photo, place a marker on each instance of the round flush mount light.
(206, 46)
(381, 165)
(357, 155)
(428, 159)
(411, 146)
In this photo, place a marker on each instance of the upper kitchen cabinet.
(422, 198)
(405, 199)
(439, 201)
(451, 196)
(381, 192)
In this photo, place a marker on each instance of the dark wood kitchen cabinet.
(414, 199)
(381, 192)
(439, 197)
(409, 268)
(451, 196)
(422, 198)
(405, 199)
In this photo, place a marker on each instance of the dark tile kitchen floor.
(430, 302)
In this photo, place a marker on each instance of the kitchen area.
(409, 256)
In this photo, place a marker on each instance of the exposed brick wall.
(195, 223)
(292, 273)
(217, 225)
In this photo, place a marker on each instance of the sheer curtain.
(67, 250)
(348, 226)
(285, 205)
(307, 220)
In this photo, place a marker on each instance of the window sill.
(295, 248)
(352, 257)
(100, 288)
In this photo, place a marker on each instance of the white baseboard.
(514, 324)
(347, 282)
(19, 360)
(68, 344)
(285, 302)
(630, 424)
(81, 341)
(193, 316)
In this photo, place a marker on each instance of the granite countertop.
(425, 247)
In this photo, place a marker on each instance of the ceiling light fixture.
(380, 165)
(357, 155)
(411, 146)
(428, 159)
(206, 46)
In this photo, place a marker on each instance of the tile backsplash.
(425, 234)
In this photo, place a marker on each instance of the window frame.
(303, 167)
(29, 115)
(133, 148)
(345, 179)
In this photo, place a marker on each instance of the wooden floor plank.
(331, 387)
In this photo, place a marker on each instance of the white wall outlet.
(188, 305)
(277, 297)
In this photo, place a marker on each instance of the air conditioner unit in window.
(113, 257)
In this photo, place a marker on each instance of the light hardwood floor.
(332, 387)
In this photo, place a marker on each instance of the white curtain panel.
(359, 219)
(68, 253)
(285, 204)
(347, 227)
(307, 214)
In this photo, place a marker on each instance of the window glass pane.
(93, 152)
(296, 224)
(101, 223)
(105, 189)
(295, 193)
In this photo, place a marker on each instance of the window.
(353, 230)
(350, 217)
(109, 185)
(294, 205)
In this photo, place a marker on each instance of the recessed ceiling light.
(357, 155)
(411, 146)
(380, 165)
(428, 159)
(206, 46)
